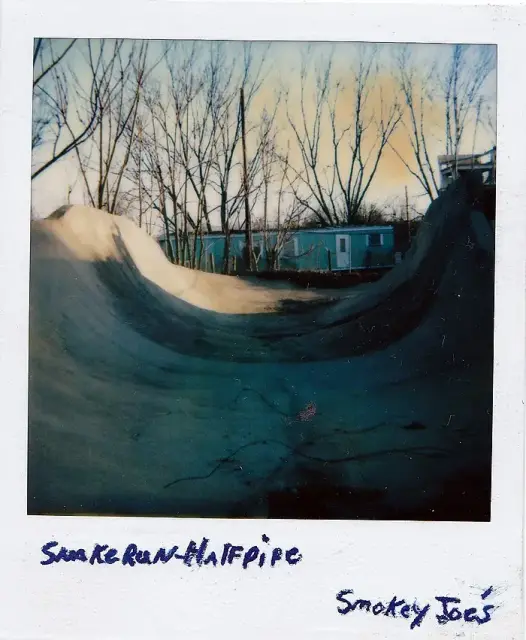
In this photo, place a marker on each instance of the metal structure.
(452, 167)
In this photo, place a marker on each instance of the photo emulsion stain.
(262, 280)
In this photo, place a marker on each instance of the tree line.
(194, 135)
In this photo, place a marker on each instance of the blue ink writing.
(451, 614)
(192, 555)
(450, 609)
(407, 611)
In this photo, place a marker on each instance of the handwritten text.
(191, 555)
(448, 609)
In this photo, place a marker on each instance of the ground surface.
(159, 390)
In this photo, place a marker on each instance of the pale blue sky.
(281, 69)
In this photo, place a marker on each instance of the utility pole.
(248, 223)
(407, 219)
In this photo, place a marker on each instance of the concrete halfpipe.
(158, 390)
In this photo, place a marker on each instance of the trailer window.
(375, 240)
(290, 249)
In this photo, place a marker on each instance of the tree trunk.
(176, 227)
(169, 247)
(248, 224)
(140, 187)
(226, 253)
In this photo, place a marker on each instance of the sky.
(280, 73)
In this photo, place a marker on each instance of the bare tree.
(148, 173)
(140, 192)
(118, 76)
(42, 65)
(155, 158)
(61, 123)
(192, 94)
(277, 186)
(229, 76)
(45, 59)
(289, 217)
(417, 94)
(457, 88)
(465, 75)
(190, 133)
(175, 148)
(333, 189)
(269, 159)
(183, 121)
(181, 130)
(489, 120)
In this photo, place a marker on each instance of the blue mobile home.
(334, 249)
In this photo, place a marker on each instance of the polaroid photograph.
(264, 340)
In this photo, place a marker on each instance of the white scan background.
(377, 559)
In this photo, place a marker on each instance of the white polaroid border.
(378, 559)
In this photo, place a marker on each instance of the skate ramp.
(155, 389)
